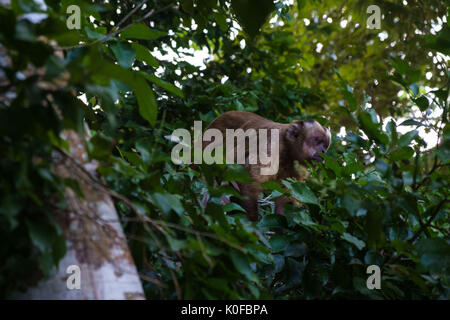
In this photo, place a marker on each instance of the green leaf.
(242, 264)
(176, 244)
(143, 54)
(300, 5)
(371, 128)
(400, 65)
(353, 240)
(300, 217)
(166, 202)
(347, 92)
(252, 14)
(272, 221)
(134, 159)
(402, 153)
(414, 88)
(237, 173)
(374, 228)
(422, 103)
(124, 53)
(163, 84)
(435, 255)
(221, 21)
(100, 146)
(301, 192)
(351, 204)
(146, 100)
(391, 130)
(293, 274)
(141, 31)
(278, 243)
(10, 208)
(295, 250)
(93, 34)
(332, 164)
(411, 122)
(232, 206)
(440, 42)
(406, 139)
(272, 185)
(41, 235)
(59, 248)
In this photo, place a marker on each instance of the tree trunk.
(95, 239)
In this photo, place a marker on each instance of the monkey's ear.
(294, 130)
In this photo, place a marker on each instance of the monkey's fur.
(301, 140)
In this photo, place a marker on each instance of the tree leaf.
(435, 255)
(166, 202)
(41, 235)
(163, 84)
(124, 53)
(141, 31)
(272, 221)
(406, 139)
(146, 100)
(143, 54)
(232, 206)
(251, 14)
(221, 21)
(295, 250)
(237, 173)
(402, 153)
(301, 192)
(353, 240)
(411, 122)
(278, 243)
(242, 264)
(422, 103)
(371, 128)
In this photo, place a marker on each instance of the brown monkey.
(301, 140)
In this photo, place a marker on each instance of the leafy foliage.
(381, 196)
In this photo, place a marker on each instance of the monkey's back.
(247, 120)
(242, 120)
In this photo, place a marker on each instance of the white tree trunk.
(95, 239)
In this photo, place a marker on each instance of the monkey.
(301, 140)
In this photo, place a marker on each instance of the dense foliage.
(381, 197)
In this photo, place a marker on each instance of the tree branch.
(430, 220)
(116, 31)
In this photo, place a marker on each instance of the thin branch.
(430, 220)
(117, 31)
(105, 188)
(195, 232)
(435, 166)
(129, 14)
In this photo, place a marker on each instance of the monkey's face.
(307, 140)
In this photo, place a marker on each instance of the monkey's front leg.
(281, 201)
(279, 204)
(250, 203)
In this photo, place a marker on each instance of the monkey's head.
(307, 140)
